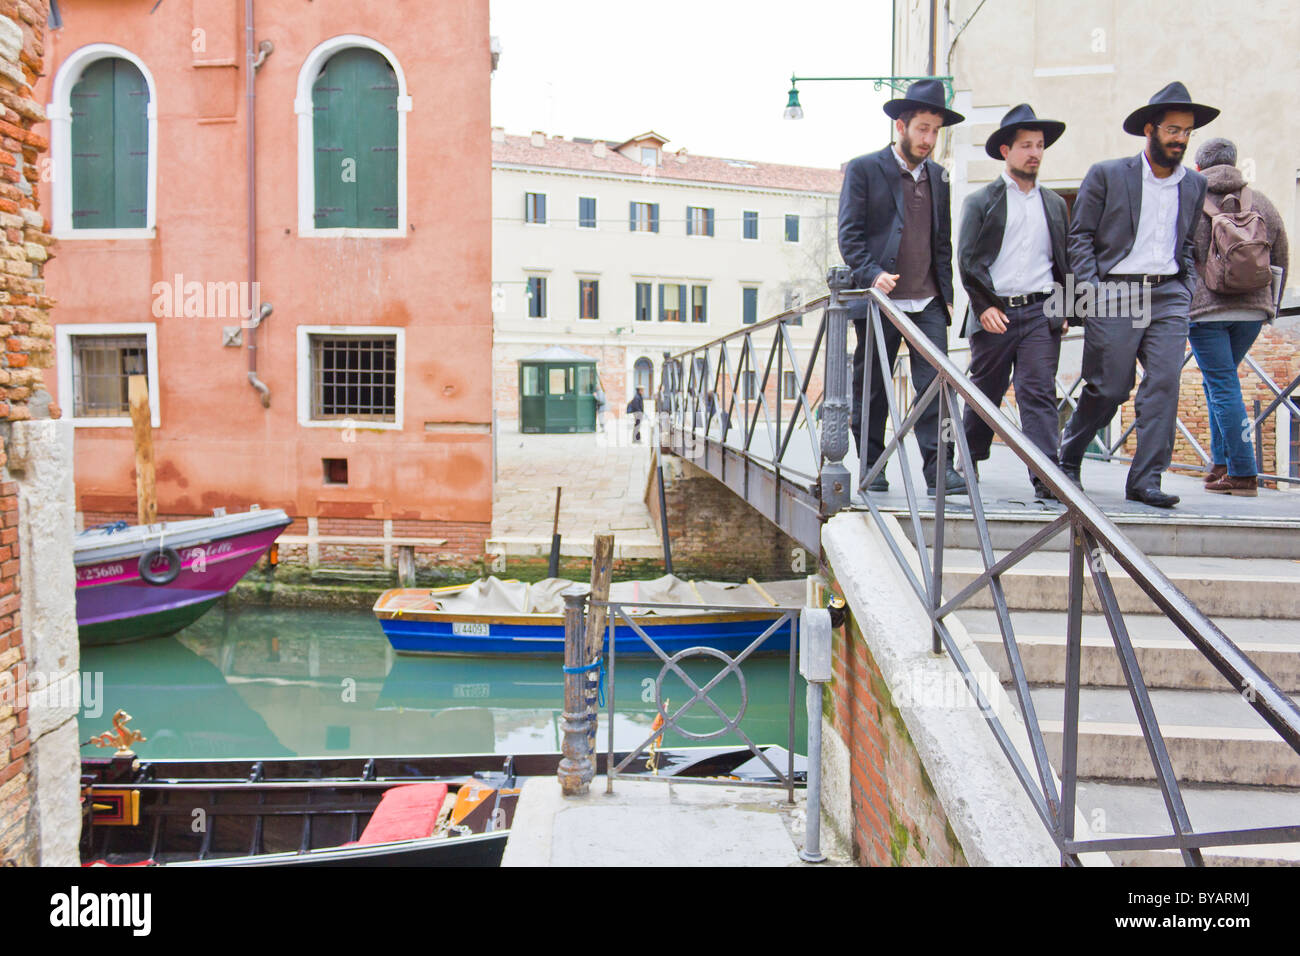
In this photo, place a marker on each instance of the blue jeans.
(1219, 348)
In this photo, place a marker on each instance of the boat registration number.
(469, 629)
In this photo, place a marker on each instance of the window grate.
(354, 377)
(101, 369)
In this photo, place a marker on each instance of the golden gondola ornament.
(122, 737)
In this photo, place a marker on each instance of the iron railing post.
(835, 484)
(576, 768)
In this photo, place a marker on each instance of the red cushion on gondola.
(405, 813)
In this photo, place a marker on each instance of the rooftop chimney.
(598, 149)
(538, 138)
(498, 134)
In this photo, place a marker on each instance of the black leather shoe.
(1152, 496)
(954, 484)
(1072, 472)
(879, 484)
(1042, 491)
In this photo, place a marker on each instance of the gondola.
(345, 811)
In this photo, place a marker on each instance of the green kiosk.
(556, 387)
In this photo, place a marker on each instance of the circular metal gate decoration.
(731, 723)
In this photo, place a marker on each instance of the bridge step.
(1167, 658)
(1119, 809)
(1180, 537)
(1232, 587)
(1212, 737)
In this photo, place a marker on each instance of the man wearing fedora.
(1010, 251)
(895, 234)
(1132, 229)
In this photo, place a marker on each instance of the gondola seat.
(407, 812)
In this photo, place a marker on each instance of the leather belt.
(1142, 279)
(1016, 301)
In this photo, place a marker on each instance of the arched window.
(351, 109)
(643, 377)
(103, 130)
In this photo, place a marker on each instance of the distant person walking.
(636, 408)
(1236, 293)
(599, 396)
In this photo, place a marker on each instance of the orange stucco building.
(338, 366)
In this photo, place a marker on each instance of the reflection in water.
(262, 682)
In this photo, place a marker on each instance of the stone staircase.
(1234, 771)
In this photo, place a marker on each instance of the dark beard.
(1025, 174)
(905, 147)
(1161, 157)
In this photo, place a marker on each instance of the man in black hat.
(1010, 252)
(1131, 238)
(895, 232)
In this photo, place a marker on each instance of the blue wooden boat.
(492, 617)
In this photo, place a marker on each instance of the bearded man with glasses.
(1131, 237)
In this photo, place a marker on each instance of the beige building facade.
(625, 250)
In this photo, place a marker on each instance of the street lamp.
(794, 111)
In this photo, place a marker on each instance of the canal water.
(275, 682)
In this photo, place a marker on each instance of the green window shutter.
(354, 126)
(708, 222)
(750, 306)
(110, 146)
(654, 217)
(631, 217)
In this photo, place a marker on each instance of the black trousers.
(1030, 351)
(933, 321)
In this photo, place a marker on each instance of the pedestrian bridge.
(1099, 620)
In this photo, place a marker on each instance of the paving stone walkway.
(603, 477)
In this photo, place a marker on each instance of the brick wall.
(897, 820)
(28, 338)
(715, 533)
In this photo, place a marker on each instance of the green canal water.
(275, 682)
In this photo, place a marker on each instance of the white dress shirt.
(1024, 263)
(1155, 249)
(911, 305)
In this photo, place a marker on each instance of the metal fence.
(703, 382)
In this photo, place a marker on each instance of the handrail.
(1092, 532)
(695, 401)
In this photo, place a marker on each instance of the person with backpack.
(1241, 262)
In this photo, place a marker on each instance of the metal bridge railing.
(1092, 536)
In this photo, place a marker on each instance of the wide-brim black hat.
(924, 95)
(1022, 117)
(1172, 97)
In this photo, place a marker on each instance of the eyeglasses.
(1177, 132)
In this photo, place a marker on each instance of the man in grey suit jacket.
(1011, 255)
(1131, 241)
(895, 233)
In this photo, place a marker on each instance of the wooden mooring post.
(142, 430)
(575, 770)
(602, 569)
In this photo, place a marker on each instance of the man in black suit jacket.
(1131, 240)
(1010, 253)
(895, 233)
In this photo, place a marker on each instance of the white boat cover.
(493, 596)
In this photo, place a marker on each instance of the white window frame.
(305, 332)
(533, 222)
(546, 277)
(64, 334)
(784, 228)
(595, 226)
(581, 277)
(307, 75)
(60, 115)
(759, 223)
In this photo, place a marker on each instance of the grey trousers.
(1029, 350)
(1111, 345)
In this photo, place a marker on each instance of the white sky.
(712, 75)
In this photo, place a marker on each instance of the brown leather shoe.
(1247, 486)
(1215, 473)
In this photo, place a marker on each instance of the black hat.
(1172, 97)
(924, 95)
(1022, 117)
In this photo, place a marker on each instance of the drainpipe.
(252, 62)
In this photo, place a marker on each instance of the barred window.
(101, 368)
(354, 376)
